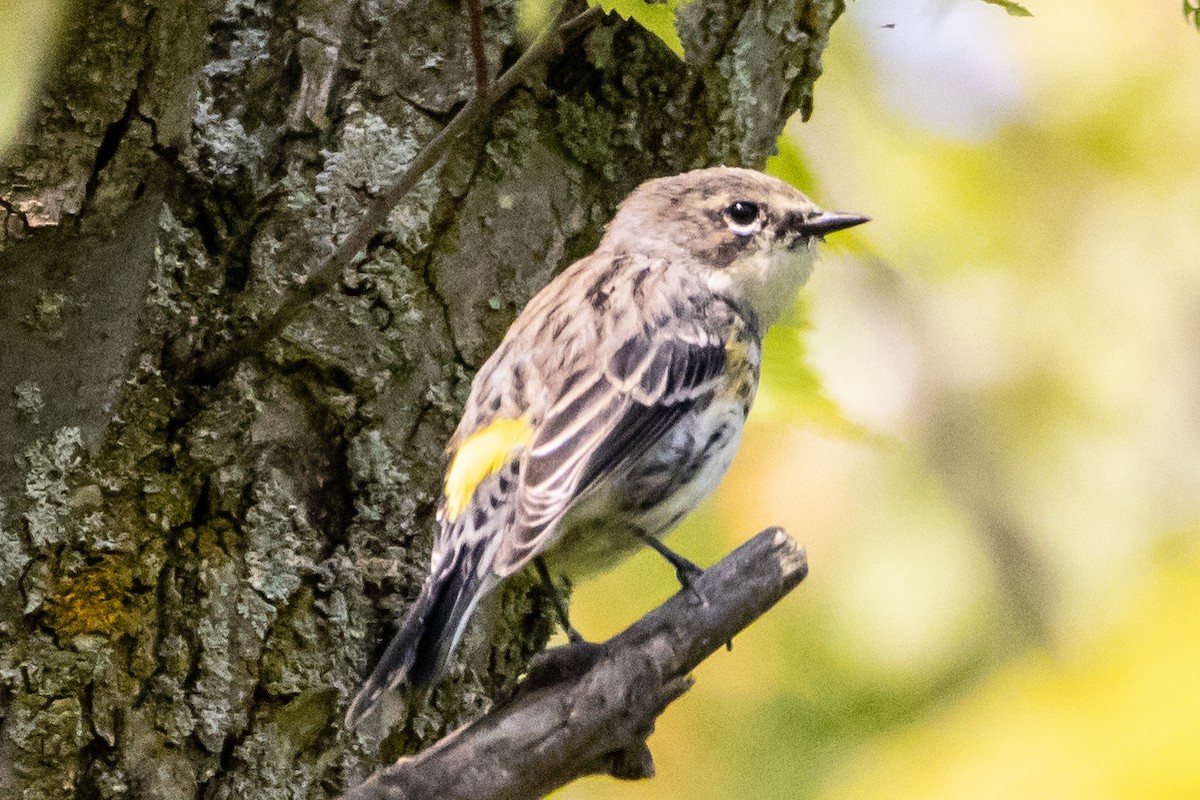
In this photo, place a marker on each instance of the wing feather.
(605, 418)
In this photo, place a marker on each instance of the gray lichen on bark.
(194, 577)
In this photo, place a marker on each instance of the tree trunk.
(194, 575)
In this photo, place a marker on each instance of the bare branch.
(477, 51)
(321, 278)
(587, 709)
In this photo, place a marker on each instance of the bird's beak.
(829, 221)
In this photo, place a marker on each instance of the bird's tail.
(420, 651)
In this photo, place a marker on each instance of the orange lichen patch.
(96, 600)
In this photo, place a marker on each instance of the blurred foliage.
(794, 390)
(27, 34)
(798, 391)
(1113, 717)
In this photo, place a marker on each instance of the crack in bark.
(109, 143)
(114, 134)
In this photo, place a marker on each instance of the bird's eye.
(742, 215)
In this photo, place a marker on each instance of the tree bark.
(194, 575)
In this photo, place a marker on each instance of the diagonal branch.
(587, 709)
(321, 278)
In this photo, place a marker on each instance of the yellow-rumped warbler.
(616, 400)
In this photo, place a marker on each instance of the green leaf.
(1191, 12)
(789, 164)
(658, 18)
(1013, 9)
(790, 389)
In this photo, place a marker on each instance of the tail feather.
(420, 651)
(446, 619)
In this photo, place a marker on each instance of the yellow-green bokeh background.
(26, 39)
(998, 481)
(1005, 589)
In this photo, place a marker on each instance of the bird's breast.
(653, 493)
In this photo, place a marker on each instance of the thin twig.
(322, 277)
(477, 52)
(587, 709)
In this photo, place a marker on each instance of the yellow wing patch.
(481, 455)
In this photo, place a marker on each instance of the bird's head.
(752, 236)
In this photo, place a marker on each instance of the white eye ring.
(744, 218)
(746, 230)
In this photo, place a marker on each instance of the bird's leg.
(560, 610)
(685, 570)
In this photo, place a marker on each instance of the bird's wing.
(605, 416)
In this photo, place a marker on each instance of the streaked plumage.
(616, 400)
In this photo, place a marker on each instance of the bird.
(614, 404)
